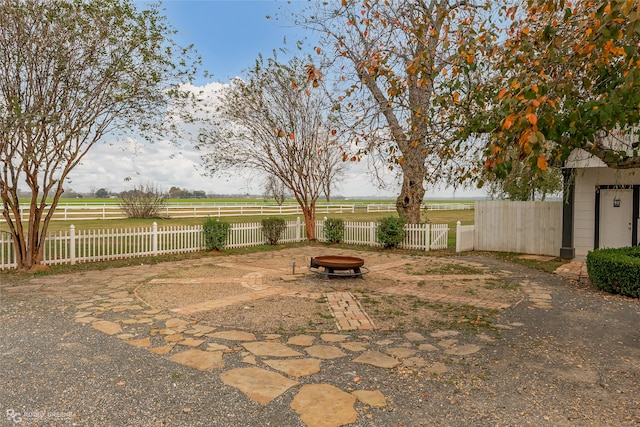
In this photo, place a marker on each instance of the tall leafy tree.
(406, 72)
(522, 182)
(569, 76)
(275, 123)
(72, 72)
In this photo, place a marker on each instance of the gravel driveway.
(564, 355)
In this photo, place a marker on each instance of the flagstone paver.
(190, 342)
(438, 368)
(110, 328)
(354, 346)
(325, 352)
(258, 384)
(463, 350)
(401, 352)
(373, 398)
(414, 336)
(175, 322)
(217, 347)
(198, 359)
(302, 340)
(162, 349)
(427, 347)
(538, 296)
(296, 367)
(234, 335)
(334, 337)
(323, 405)
(142, 342)
(273, 349)
(375, 358)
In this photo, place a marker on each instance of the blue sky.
(230, 34)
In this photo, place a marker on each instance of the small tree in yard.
(334, 230)
(275, 122)
(71, 73)
(272, 228)
(143, 202)
(216, 233)
(390, 231)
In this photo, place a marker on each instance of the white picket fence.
(78, 246)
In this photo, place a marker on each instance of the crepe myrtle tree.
(73, 72)
(276, 123)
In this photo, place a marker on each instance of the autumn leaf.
(281, 133)
(533, 119)
(502, 93)
(542, 163)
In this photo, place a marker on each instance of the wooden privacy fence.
(77, 246)
(521, 227)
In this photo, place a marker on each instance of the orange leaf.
(533, 119)
(542, 163)
(291, 137)
(502, 92)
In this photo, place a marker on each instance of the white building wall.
(586, 180)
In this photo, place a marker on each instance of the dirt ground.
(222, 278)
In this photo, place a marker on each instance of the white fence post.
(298, 230)
(72, 244)
(372, 233)
(154, 238)
(458, 237)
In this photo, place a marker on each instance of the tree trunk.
(309, 213)
(409, 202)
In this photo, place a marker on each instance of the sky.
(229, 35)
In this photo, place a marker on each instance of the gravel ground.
(576, 363)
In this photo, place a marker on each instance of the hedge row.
(616, 270)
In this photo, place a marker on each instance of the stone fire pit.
(338, 266)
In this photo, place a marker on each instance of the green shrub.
(215, 233)
(272, 228)
(616, 270)
(334, 230)
(390, 231)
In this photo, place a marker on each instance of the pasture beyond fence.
(93, 211)
(78, 246)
